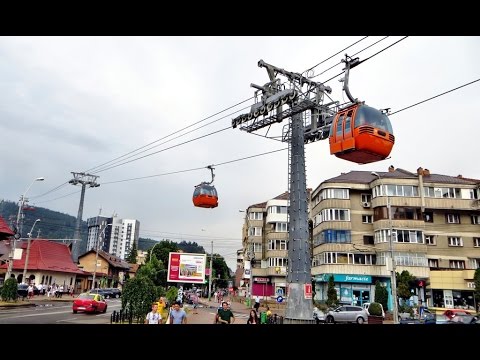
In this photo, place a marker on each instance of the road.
(55, 312)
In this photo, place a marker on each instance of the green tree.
(154, 270)
(162, 250)
(9, 290)
(476, 280)
(138, 295)
(405, 283)
(332, 299)
(381, 294)
(132, 256)
(171, 294)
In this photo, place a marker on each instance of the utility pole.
(267, 111)
(210, 275)
(18, 234)
(25, 268)
(85, 180)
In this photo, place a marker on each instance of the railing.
(125, 317)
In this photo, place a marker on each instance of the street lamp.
(28, 252)
(151, 252)
(96, 256)
(18, 234)
(393, 278)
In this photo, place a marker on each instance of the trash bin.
(248, 302)
(263, 317)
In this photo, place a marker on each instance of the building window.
(455, 241)
(334, 194)
(255, 231)
(255, 215)
(277, 209)
(281, 227)
(335, 215)
(474, 263)
(332, 236)
(428, 216)
(430, 240)
(433, 263)
(368, 240)
(367, 219)
(280, 262)
(475, 219)
(476, 242)
(452, 218)
(277, 244)
(457, 264)
(366, 198)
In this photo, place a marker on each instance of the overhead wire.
(103, 166)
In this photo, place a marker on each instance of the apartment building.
(434, 224)
(265, 238)
(116, 235)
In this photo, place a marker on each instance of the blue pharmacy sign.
(345, 278)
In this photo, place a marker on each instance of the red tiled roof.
(4, 229)
(47, 256)
(113, 260)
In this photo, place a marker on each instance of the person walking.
(153, 317)
(224, 315)
(257, 303)
(177, 315)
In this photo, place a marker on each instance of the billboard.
(186, 268)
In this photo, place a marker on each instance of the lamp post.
(210, 275)
(96, 255)
(28, 252)
(151, 252)
(393, 278)
(18, 234)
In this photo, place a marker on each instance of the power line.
(433, 97)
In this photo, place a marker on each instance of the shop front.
(263, 287)
(351, 289)
(453, 289)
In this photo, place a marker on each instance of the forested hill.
(57, 225)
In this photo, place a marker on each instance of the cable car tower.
(275, 102)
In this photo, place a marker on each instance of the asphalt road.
(55, 312)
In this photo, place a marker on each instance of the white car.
(367, 305)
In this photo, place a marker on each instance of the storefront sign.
(261, 279)
(347, 278)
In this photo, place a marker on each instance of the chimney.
(420, 171)
(391, 168)
(460, 176)
(426, 172)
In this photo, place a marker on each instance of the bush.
(9, 290)
(375, 309)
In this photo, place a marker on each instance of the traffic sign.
(279, 299)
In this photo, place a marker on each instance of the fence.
(125, 317)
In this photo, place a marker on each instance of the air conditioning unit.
(366, 204)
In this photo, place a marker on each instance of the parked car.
(367, 305)
(22, 290)
(456, 316)
(89, 303)
(116, 293)
(106, 293)
(347, 314)
(318, 315)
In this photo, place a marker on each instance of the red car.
(89, 303)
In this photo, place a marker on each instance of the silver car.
(318, 315)
(347, 314)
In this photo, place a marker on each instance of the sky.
(70, 104)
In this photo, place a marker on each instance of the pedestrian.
(153, 317)
(253, 318)
(257, 303)
(224, 315)
(194, 298)
(177, 315)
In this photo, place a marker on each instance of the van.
(367, 305)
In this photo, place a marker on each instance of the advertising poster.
(186, 268)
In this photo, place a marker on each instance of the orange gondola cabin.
(205, 196)
(361, 134)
